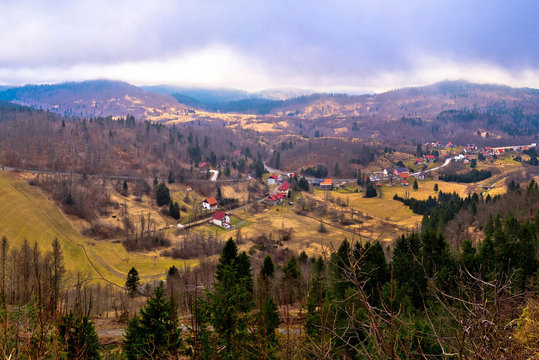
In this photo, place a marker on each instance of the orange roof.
(404, 175)
(211, 201)
(328, 181)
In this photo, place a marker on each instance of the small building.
(316, 182)
(291, 175)
(202, 166)
(430, 158)
(327, 184)
(273, 200)
(404, 178)
(272, 180)
(400, 170)
(189, 188)
(221, 219)
(209, 203)
(284, 188)
(421, 175)
(237, 153)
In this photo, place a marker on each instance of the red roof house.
(284, 188)
(221, 219)
(209, 203)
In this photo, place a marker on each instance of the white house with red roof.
(272, 180)
(209, 203)
(203, 166)
(275, 199)
(284, 188)
(221, 219)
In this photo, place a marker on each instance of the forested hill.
(94, 98)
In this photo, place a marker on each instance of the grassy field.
(27, 213)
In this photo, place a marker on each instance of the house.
(237, 153)
(274, 199)
(430, 158)
(202, 166)
(316, 182)
(272, 180)
(418, 161)
(209, 203)
(449, 144)
(421, 175)
(189, 188)
(221, 219)
(400, 170)
(284, 188)
(327, 184)
(404, 178)
(291, 175)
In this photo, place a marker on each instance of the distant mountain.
(6, 87)
(96, 98)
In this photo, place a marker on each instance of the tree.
(80, 337)
(171, 177)
(370, 190)
(125, 189)
(415, 187)
(278, 160)
(153, 333)
(174, 210)
(162, 194)
(57, 271)
(480, 157)
(436, 187)
(533, 161)
(336, 170)
(303, 184)
(132, 282)
(473, 163)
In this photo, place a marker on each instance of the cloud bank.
(325, 45)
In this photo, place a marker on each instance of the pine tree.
(153, 333)
(436, 187)
(162, 194)
(133, 282)
(80, 337)
(415, 186)
(174, 210)
(171, 177)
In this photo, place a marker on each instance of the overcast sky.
(335, 45)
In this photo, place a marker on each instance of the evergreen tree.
(278, 160)
(408, 272)
(415, 186)
(133, 282)
(174, 210)
(171, 177)
(370, 190)
(303, 184)
(162, 194)
(153, 333)
(436, 187)
(125, 189)
(80, 337)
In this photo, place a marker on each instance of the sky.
(337, 45)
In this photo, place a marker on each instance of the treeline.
(471, 176)
(40, 140)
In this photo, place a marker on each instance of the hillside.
(96, 98)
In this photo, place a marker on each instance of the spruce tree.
(153, 333)
(415, 186)
(162, 194)
(79, 336)
(133, 282)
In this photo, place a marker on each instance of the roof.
(202, 164)
(401, 170)
(219, 215)
(211, 201)
(284, 187)
(329, 181)
(429, 156)
(404, 175)
(405, 182)
(274, 177)
(275, 197)
(237, 153)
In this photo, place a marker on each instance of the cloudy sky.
(335, 45)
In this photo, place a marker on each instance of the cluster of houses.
(426, 159)
(220, 218)
(438, 145)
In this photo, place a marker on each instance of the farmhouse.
(430, 158)
(400, 170)
(284, 188)
(203, 166)
(221, 219)
(274, 199)
(272, 180)
(209, 203)
(404, 178)
(327, 184)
